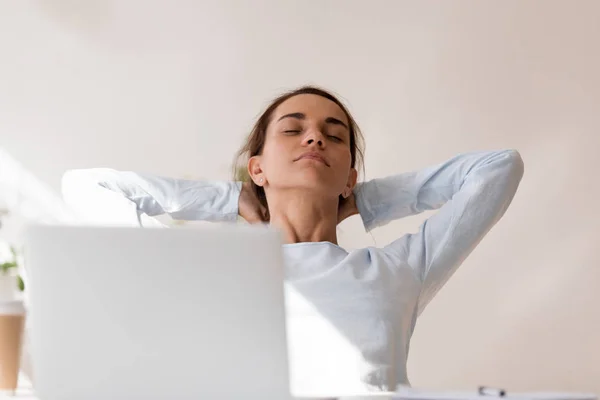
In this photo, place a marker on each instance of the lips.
(312, 155)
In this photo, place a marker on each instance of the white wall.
(172, 88)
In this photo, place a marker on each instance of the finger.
(264, 213)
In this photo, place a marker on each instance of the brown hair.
(256, 140)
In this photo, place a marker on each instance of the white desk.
(27, 394)
(20, 394)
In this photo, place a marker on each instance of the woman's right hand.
(347, 208)
(249, 207)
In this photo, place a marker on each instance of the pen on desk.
(486, 391)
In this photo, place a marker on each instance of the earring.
(261, 180)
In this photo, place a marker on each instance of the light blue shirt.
(350, 326)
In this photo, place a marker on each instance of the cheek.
(276, 153)
(342, 167)
(282, 147)
(343, 159)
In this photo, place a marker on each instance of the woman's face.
(307, 146)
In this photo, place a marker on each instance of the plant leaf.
(8, 265)
(20, 283)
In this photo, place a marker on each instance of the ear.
(352, 177)
(255, 171)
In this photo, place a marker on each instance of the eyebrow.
(301, 116)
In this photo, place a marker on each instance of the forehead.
(311, 105)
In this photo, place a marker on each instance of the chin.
(323, 182)
(317, 184)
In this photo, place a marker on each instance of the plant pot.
(12, 322)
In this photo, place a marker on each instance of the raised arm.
(472, 192)
(107, 196)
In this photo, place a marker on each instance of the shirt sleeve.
(109, 197)
(471, 193)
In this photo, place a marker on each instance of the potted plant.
(12, 318)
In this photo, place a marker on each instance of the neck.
(303, 217)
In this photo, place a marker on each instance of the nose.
(314, 137)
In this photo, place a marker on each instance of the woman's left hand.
(347, 208)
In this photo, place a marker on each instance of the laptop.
(127, 313)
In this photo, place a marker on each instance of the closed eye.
(291, 131)
(335, 138)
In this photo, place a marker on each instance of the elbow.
(514, 164)
(513, 171)
(517, 164)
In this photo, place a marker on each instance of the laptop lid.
(129, 313)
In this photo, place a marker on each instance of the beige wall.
(172, 87)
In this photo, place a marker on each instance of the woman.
(302, 160)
